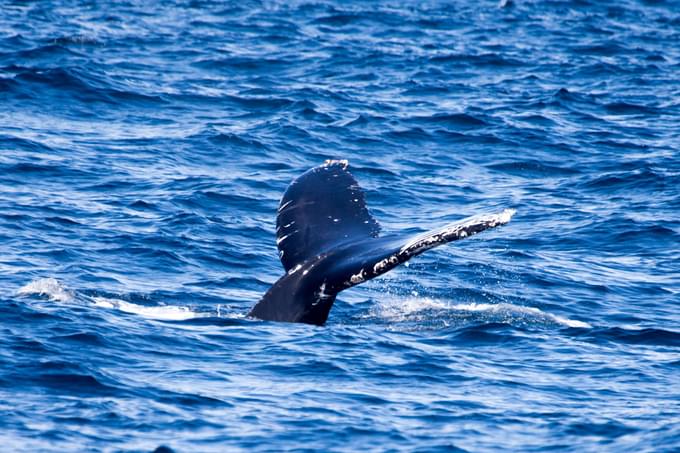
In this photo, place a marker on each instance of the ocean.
(144, 149)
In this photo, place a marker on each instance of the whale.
(328, 242)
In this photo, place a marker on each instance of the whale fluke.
(328, 242)
(319, 211)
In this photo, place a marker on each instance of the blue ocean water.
(144, 147)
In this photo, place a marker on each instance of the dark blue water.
(144, 147)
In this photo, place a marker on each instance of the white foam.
(56, 292)
(160, 312)
(403, 308)
(50, 287)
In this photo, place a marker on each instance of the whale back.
(321, 210)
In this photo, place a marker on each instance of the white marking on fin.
(283, 238)
(381, 265)
(295, 269)
(321, 294)
(283, 206)
(343, 162)
(505, 216)
(358, 277)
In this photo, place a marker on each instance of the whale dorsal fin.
(321, 209)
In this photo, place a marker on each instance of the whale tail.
(328, 242)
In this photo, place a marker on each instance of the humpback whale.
(328, 242)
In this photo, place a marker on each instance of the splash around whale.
(328, 242)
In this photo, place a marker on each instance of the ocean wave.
(79, 84)
(635, 335)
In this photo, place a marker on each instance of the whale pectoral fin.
(321, 209)
(378, 256)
